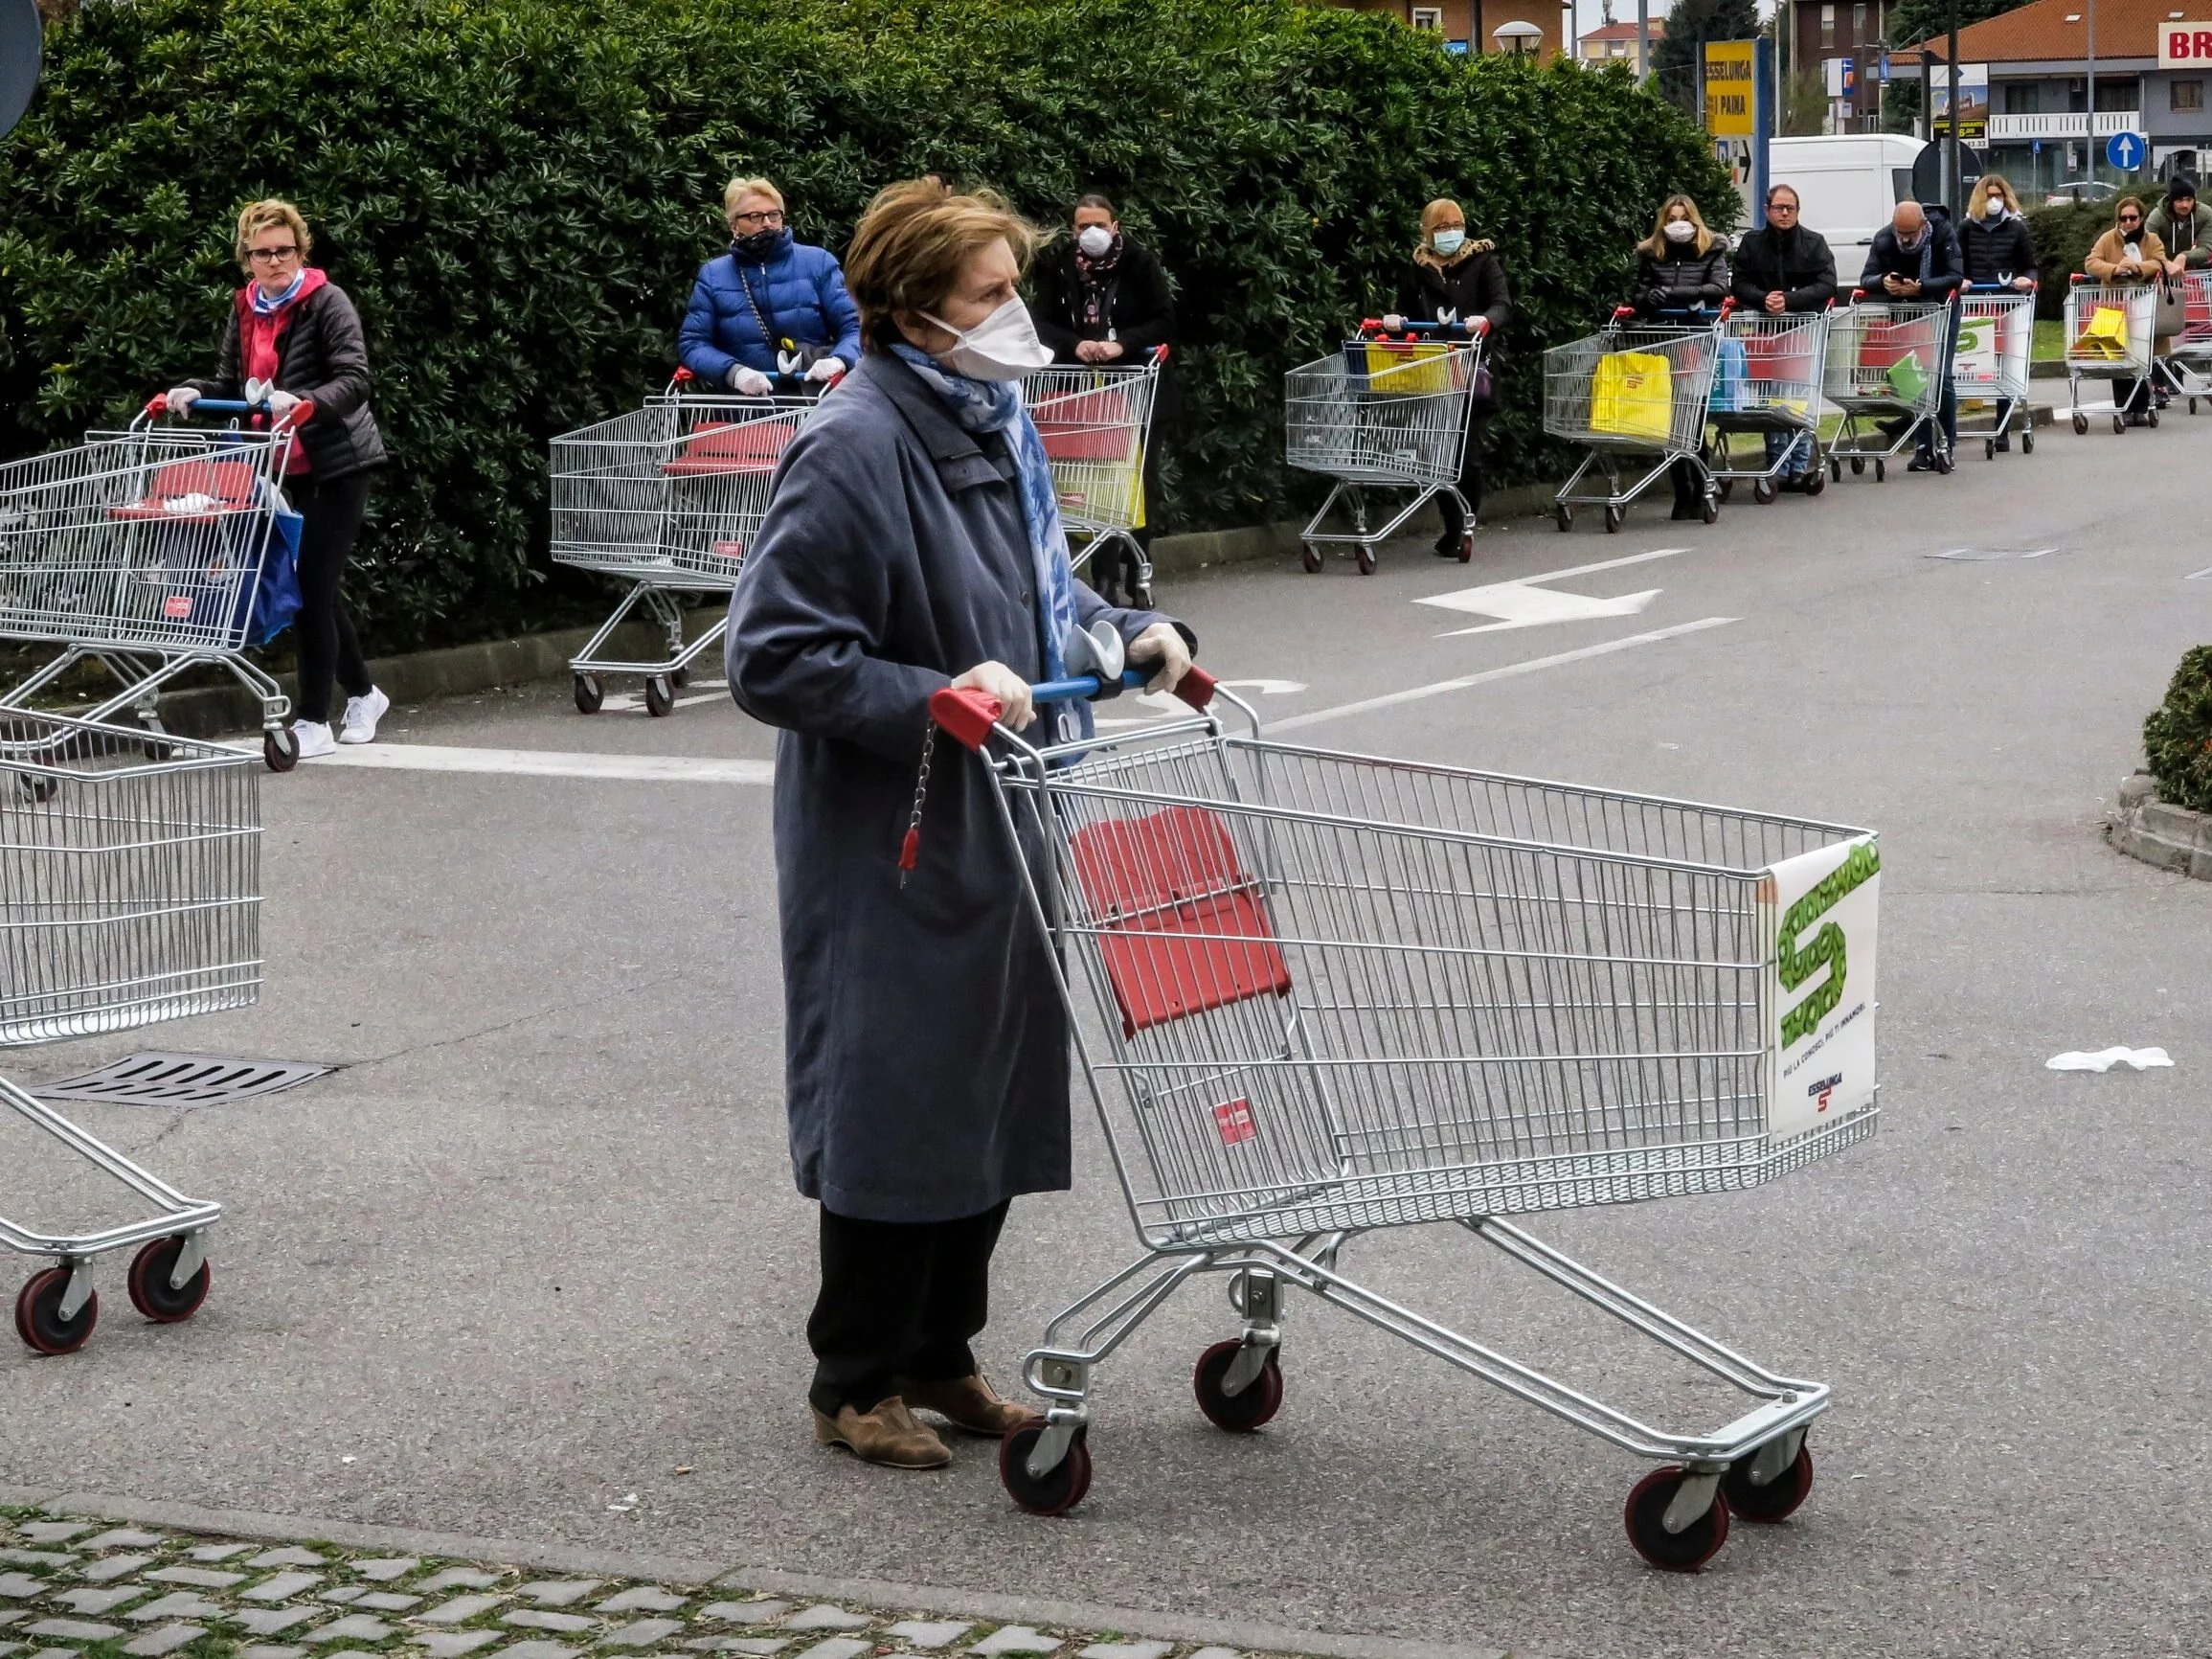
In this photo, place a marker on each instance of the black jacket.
(1946, 270)
(1139, 314)
(1682, 279)
(2006, 248)
(1798, 263)
(322, 357)
(1471, 286)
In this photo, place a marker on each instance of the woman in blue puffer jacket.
(768, 305)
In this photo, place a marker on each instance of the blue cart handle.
(299, 412)
(968, 715)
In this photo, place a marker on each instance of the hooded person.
(1782, 269)
(1456, 279)
(2183, 226)
(1682, 266)
(1999, 252)
(1916, 259)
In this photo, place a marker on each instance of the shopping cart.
(144, 551)
(1095, 422)
(1329, 994)
(2110, 333)
(129, 894)
(1388, 413)
(1886, 362)
(1990, 363)
(665, 498)
(2188, 366)
(1637, 391)
(1767, 382)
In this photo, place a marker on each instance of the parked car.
(2080, 190)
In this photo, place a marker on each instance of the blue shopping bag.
(276, 597)
(1732, 378)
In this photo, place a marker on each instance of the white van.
(1847, 187)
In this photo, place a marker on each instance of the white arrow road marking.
(2199, 575)
(549, 764)
(1509, 672)
(1522, 603)
(1169, 705)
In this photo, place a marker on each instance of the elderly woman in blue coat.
(913, 542)
(770, 305)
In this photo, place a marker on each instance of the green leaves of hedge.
(518, 193)
(2177, 736)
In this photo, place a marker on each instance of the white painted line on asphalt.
(549, 764)
(1509, 672)
(2199, 575)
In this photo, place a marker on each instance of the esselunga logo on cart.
(1821, 1090)
(1826, 947)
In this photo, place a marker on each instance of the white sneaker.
(362, 715)
(314, 739)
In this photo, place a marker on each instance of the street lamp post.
(1950, 178)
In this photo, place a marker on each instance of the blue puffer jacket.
(799, 290)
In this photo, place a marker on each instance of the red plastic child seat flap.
(228, 484)
(1087, 426)
(1182, 926)
(722, 447)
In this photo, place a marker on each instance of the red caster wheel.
(1310, 557)
(1056, 1491)
(1645, 1516)
(1243, 1412)
(150, 1290)
(279, 749)
(1467, 547)
(39, 1317)
(1777, 1499)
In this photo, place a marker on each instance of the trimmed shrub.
(2177, 736)
(2064, 237)
(518, 193)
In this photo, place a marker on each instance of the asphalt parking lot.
(534, 1248)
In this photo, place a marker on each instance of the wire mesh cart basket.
(1636, 393)
(1319, 994)
(129, 894)
(2111, 329)
(1886, 362)
(665, 498)
(1990, 363)
(1388, 413)
(2188, 365)
(1095, 422)
(143, 552)
(1767, 384)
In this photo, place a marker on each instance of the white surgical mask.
(1094, 241)
(1449, 242)
(1679, 230)
(1994, 207)
(1002, 347)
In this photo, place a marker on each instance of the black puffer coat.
(1682, 279)
(2002, 250)
(1471, 286)
(322, 357)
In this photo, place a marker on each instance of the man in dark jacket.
(1103, 298)
(1780, 268)
(1916, 260)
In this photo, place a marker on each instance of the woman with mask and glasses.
(913, 543)
(1458, 280)
(1102, 298)
(769, 305)
(2129, 253)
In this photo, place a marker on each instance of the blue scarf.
(996, 406)
(265, 306)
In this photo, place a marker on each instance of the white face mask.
(1094, 241)
(1449, 242)
(1002, 347)
(1994, 207)
(1679, 230)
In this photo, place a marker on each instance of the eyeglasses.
(1782, 207)
(2130, 219)
(755, 222)
(271, 256)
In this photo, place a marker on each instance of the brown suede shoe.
(969, 1403)
(887, 1434)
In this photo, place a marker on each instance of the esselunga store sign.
(2184, 45)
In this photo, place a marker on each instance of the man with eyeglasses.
(1916, 259)
(771, 306)
(1782, 268)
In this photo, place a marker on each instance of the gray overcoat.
(926, 1049)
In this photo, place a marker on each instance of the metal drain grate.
(182, 1081)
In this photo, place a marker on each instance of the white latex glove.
(1161, 643)
(181, 400)
(1447, 316)
(1392, 323)
(255, 389)
(748, 382)
(997, 680)
(825, 369)
(280, 404)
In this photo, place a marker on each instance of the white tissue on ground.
(2105, 1059)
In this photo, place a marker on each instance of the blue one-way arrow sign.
(2125, 151)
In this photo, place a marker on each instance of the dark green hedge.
(2064, 237)
(517, 193)
(2177, 736)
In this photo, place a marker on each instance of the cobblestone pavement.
(79, 1589)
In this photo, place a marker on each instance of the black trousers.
(1469, 482)
(900, 1300)
(330, 515)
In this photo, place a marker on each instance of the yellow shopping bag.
(1630, 395)
(2105, 334)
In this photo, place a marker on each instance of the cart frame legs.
(143, 673)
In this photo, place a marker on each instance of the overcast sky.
(1590, 14)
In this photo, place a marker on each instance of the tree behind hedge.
(518, 193)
